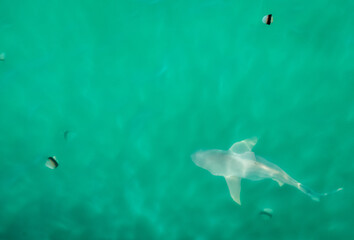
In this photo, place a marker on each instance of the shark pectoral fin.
(234, 184)
(244, 146)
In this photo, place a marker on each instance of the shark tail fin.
(315, 195)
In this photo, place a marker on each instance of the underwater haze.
(123, 92)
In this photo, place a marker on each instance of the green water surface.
(140, 85)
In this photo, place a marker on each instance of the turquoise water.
(141, 85)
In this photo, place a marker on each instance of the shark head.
(217, 162)
(198, 158)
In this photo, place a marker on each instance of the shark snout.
(197, 158)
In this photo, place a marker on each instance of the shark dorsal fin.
(244, 145)
(234, 184)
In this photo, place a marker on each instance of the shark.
(240, 162)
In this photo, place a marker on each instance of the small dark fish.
(52, 163)
(267, 213)
(267, 19)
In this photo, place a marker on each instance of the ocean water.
(123, 92)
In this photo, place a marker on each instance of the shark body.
(240, 162)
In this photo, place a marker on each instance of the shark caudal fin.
(315, 195)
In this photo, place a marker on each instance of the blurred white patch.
(2, 56)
